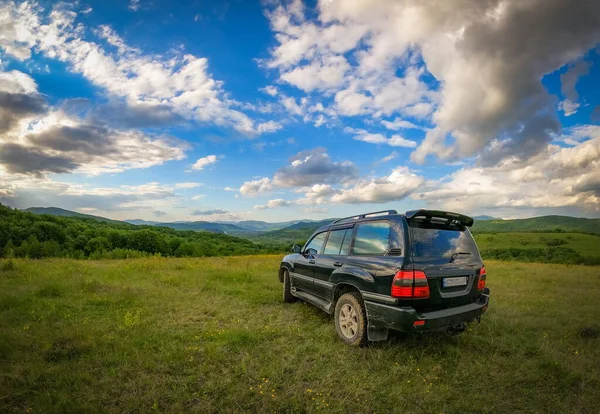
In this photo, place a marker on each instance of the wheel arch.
(342, 288)
(284, 266)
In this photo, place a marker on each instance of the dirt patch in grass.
(67, 349)
(589, 332)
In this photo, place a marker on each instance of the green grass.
(212, 335)
(584, 244)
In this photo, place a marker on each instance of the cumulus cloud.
(256, 186)
(36, 139)
(276, 203)
(204, 162)
(158, 213)
(19, 99)
(305, 169)
(173, 86)
(557, 177)
(314, 167)
(399, 184)
(462, 65)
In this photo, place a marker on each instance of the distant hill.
(205, 226)
(485, 218)
(139, 222)
(224, 228)
(540, 224)
(296, 233)
(55, 211)
(256, 225)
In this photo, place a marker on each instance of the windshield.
(451, 242)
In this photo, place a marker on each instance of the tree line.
(35, 236)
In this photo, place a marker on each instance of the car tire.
(287, 288)
(351, 319)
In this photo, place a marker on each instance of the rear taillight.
(482, 276)
(410, 284)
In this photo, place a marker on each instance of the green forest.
(35, 236)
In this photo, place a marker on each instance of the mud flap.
(377, 334)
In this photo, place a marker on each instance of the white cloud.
(256, 186)
(393, 155)
(134, 5)
(557, 177)
(305, 169)
(276, 203)
(398, 124)
(204, 162)
(313, 167)
(568, 107)
(178, 80)
(326, 74)
(269, 90)
(393, 141)
(36, 140)
(399, 184)
(188, 185)
(485, 95)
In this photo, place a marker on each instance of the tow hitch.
(455, 330)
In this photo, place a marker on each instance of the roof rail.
(360, 216)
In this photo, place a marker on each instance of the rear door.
(333, 257)
(448, 255)
(304, 266)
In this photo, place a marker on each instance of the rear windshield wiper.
(455, 255)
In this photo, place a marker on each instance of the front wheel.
(351, 319)
(287, 288)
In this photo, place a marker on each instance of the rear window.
(431, 240)
(372, 238)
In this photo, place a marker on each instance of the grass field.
(212, 335)
(584, 244)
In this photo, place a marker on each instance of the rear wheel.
(287, 288)
(351, 319)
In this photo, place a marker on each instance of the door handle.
(311, 261)
(337, 264)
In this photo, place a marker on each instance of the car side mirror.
(296, 248)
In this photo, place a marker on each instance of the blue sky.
(276, 111)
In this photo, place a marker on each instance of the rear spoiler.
(464, 220)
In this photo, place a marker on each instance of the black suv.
(414, 272)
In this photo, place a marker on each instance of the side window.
(334, 242)
(346, 244)
(372, 238)
(316, 242)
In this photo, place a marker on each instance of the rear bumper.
(399, 318)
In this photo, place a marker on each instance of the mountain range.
(300, 230)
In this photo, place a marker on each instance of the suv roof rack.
(461, 218)
(360, 216)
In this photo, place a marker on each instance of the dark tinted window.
(316, 243)
(334, 242)
(431, 240)
(372, 238)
